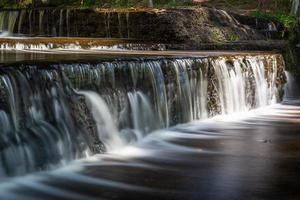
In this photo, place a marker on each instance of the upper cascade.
(51, 115)
(170, 25)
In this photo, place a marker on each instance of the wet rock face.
(203, 25)
(268, 28)
(213, 100)
(86, 124)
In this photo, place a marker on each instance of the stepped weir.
(94, 104)
(54, 113)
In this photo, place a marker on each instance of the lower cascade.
(51, 114)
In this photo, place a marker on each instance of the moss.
(234, 37)
(216, 36)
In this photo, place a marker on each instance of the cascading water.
(61, 22)
(68, 22)
(295, 7)
(53, 115)
(116, 23)
(23, 22)
(2, 20)
(107, 25)
(21, 19)
(41, 131)
(151, 3)
(143, 117)
(8, 21)
(128, 24)
(12, 19)
(48, 22)
(120, 25)
(108, 132)
(41, 16)
(30, 21)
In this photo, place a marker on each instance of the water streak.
(68, 22)
(8, 21)
(41, 16)
(21, 19)
(61, 22)
(52, 115)
(295, 7)
(108, 133)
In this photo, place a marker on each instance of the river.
(91, 124)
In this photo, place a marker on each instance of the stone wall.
(200, 25)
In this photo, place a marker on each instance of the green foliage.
(290, 23)
(234, 37)
(20, 3)
(7, 3)
(97, 3)
(287, 21)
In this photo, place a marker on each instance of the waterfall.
(225, 17)
(108, 133)
(12, 21)
(199, 85)
(128, 25)
(231, 85)
(181, 87)
(53, 114)
(295, 7)
(120, 25)
(8, 21)
(151, 3)
(68, 22)
(41, 131)
(41, 16)
(30, 22)
(61, 23)
(142, 114)
(107, 24)
(3, 20)
(21, 19)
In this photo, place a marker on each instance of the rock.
(189, 25)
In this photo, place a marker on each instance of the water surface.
(240, 154)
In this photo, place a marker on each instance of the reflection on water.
(254, 156)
